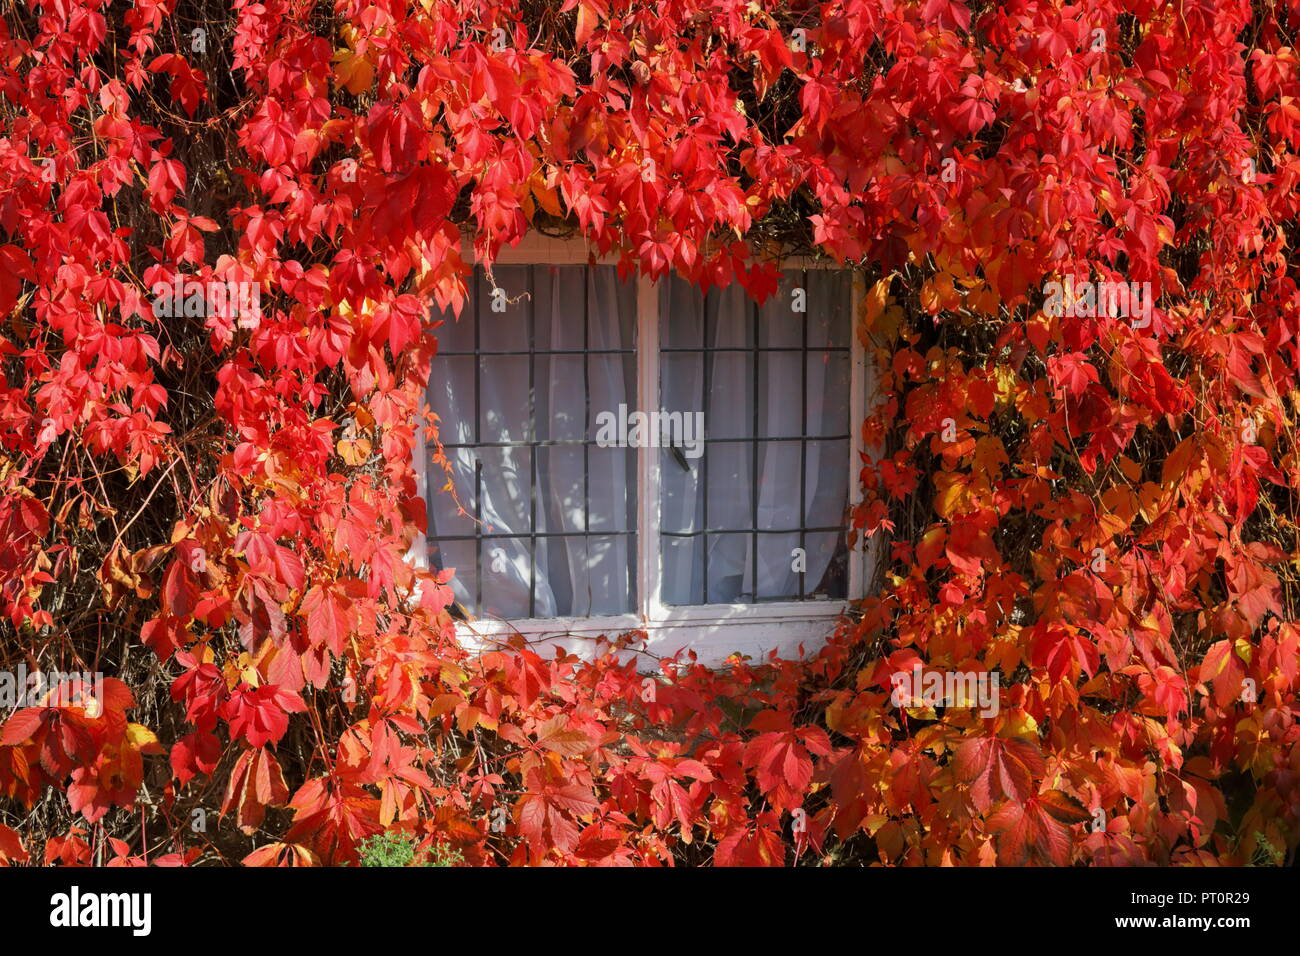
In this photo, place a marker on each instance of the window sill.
(714, 632)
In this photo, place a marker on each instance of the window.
(759, 516)
(551, 517)
(629, 454)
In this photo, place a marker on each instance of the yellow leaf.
(877, 297)
(1245, 650)
(1005, 380)
(451, 675)
(939, 294)
(874, 822)
(354, 452)
(546, 196)
(354, 73)
(952, 496)
(141, 738)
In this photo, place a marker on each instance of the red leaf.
(328, 612)
(997, 768)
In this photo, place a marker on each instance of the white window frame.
(713, 632)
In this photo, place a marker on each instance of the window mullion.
(647, 382)
(857, 409)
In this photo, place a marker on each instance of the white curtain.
(572, 574)
(756, 485)
(581, 322)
